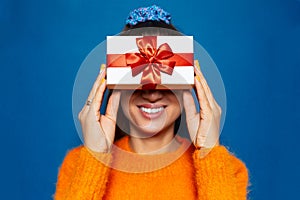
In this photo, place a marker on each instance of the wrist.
(206, 149)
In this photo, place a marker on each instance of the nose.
(152, 95)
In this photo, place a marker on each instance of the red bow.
(151, 61)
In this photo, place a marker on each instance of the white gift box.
(159, 61)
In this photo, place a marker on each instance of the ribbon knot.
(150, 60)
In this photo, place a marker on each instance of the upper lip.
(151, 105)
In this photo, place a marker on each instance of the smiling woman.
(151, 161)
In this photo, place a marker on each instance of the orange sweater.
(176, 175)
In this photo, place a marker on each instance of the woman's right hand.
(99, 130)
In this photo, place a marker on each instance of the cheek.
(175, 112)
(178, 100)
(127, 104)
(175, 106)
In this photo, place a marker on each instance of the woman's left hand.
(203, 127)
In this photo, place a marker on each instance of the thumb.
(189, 105)
(113, 105)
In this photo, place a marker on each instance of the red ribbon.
(150, 60)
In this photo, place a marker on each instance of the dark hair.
(159, 24)
(146, 28)
(150, 28)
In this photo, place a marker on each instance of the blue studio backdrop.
(254, 43)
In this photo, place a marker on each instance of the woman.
(151, 162)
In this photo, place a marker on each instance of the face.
(151, 111)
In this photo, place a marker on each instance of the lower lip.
(152, 115)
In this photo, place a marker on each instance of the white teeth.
(151, 110)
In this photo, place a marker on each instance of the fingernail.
(102, 67)
(198, 77)
(103, 80)
(197, 64)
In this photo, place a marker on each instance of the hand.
(99, 130)
(203, 127)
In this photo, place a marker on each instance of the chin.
(150, 130)
(146, 131)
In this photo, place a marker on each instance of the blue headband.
(151, 13)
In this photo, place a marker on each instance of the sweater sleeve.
(220, 175)
(82, 176)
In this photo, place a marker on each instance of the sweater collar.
(124, 159)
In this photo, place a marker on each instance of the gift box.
(150, 62)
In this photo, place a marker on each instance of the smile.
(152, 110)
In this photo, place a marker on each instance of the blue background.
(254, 43)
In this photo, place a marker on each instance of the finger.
(207, 126)
(202, 97)
(192, 116)
(113, 105)
(210, 96)
(97, 82)
(110, 117)
(203, 81)
(98, 97)
(189, 105)
(205, 114)
(93, 91)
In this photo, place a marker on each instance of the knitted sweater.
(177, 175)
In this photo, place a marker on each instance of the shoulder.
(72, 155)
(238, 166)
(219, 154)
(74, 151)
